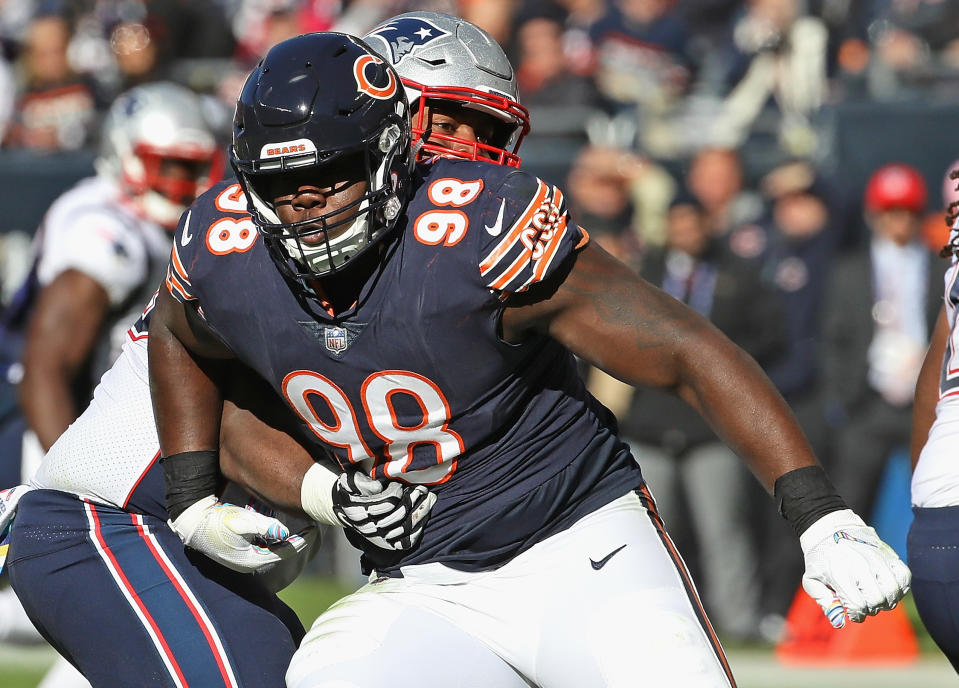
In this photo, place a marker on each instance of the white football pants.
(607, 602)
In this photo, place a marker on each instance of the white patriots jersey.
(111, 453)
(91, 229)
(107, 451)
(935, 481)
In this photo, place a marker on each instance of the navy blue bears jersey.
(414, 383)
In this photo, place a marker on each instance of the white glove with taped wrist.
(9, 499)
(850, 572)
(241, 539)
(390, 515)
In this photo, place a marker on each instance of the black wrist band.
(189, 477)
(805, 495)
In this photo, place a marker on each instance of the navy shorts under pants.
(933, 555)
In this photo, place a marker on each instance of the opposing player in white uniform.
(100, 249)
(91, 530)
(98, 256)
(933, 540)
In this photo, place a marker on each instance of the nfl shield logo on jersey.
(336, 340)
(405, 35)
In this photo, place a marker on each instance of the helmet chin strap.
(322, 257)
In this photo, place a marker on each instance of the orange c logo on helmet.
(365, 85)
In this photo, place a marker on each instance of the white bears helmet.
(156, 144)
(439, 56)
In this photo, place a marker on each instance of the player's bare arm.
(258, 448)
(255, 449)
(186, 365)
(188, 368)
(63, 330)
(606, 314)
(187, 401)
(927, 387)
(609, 316)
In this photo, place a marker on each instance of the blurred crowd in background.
(671, 76)
(779, 165)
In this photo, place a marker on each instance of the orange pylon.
(887, 638)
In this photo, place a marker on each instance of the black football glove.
(390, 515)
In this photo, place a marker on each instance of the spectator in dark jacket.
(881, 305)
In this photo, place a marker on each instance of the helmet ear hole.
(502, 133)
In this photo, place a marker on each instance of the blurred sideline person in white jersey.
(98, 255)
(933, 540)
(102, 244)
(105, 242)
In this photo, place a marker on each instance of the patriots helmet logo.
(130, 103)
(406, 34)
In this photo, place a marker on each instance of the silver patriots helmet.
(439, 56)
(146, 129)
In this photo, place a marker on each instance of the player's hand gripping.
(8, 509)
(391, 515)
(239, 538)
(8, 506)
(850, 572)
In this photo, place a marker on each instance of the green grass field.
(754, 666)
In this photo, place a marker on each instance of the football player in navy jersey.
(421, 322)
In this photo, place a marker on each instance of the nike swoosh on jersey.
(497, 226)
(187, 237)
(597, 565)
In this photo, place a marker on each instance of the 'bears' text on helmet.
(439, 56)
(156, 143)
(314, 100)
